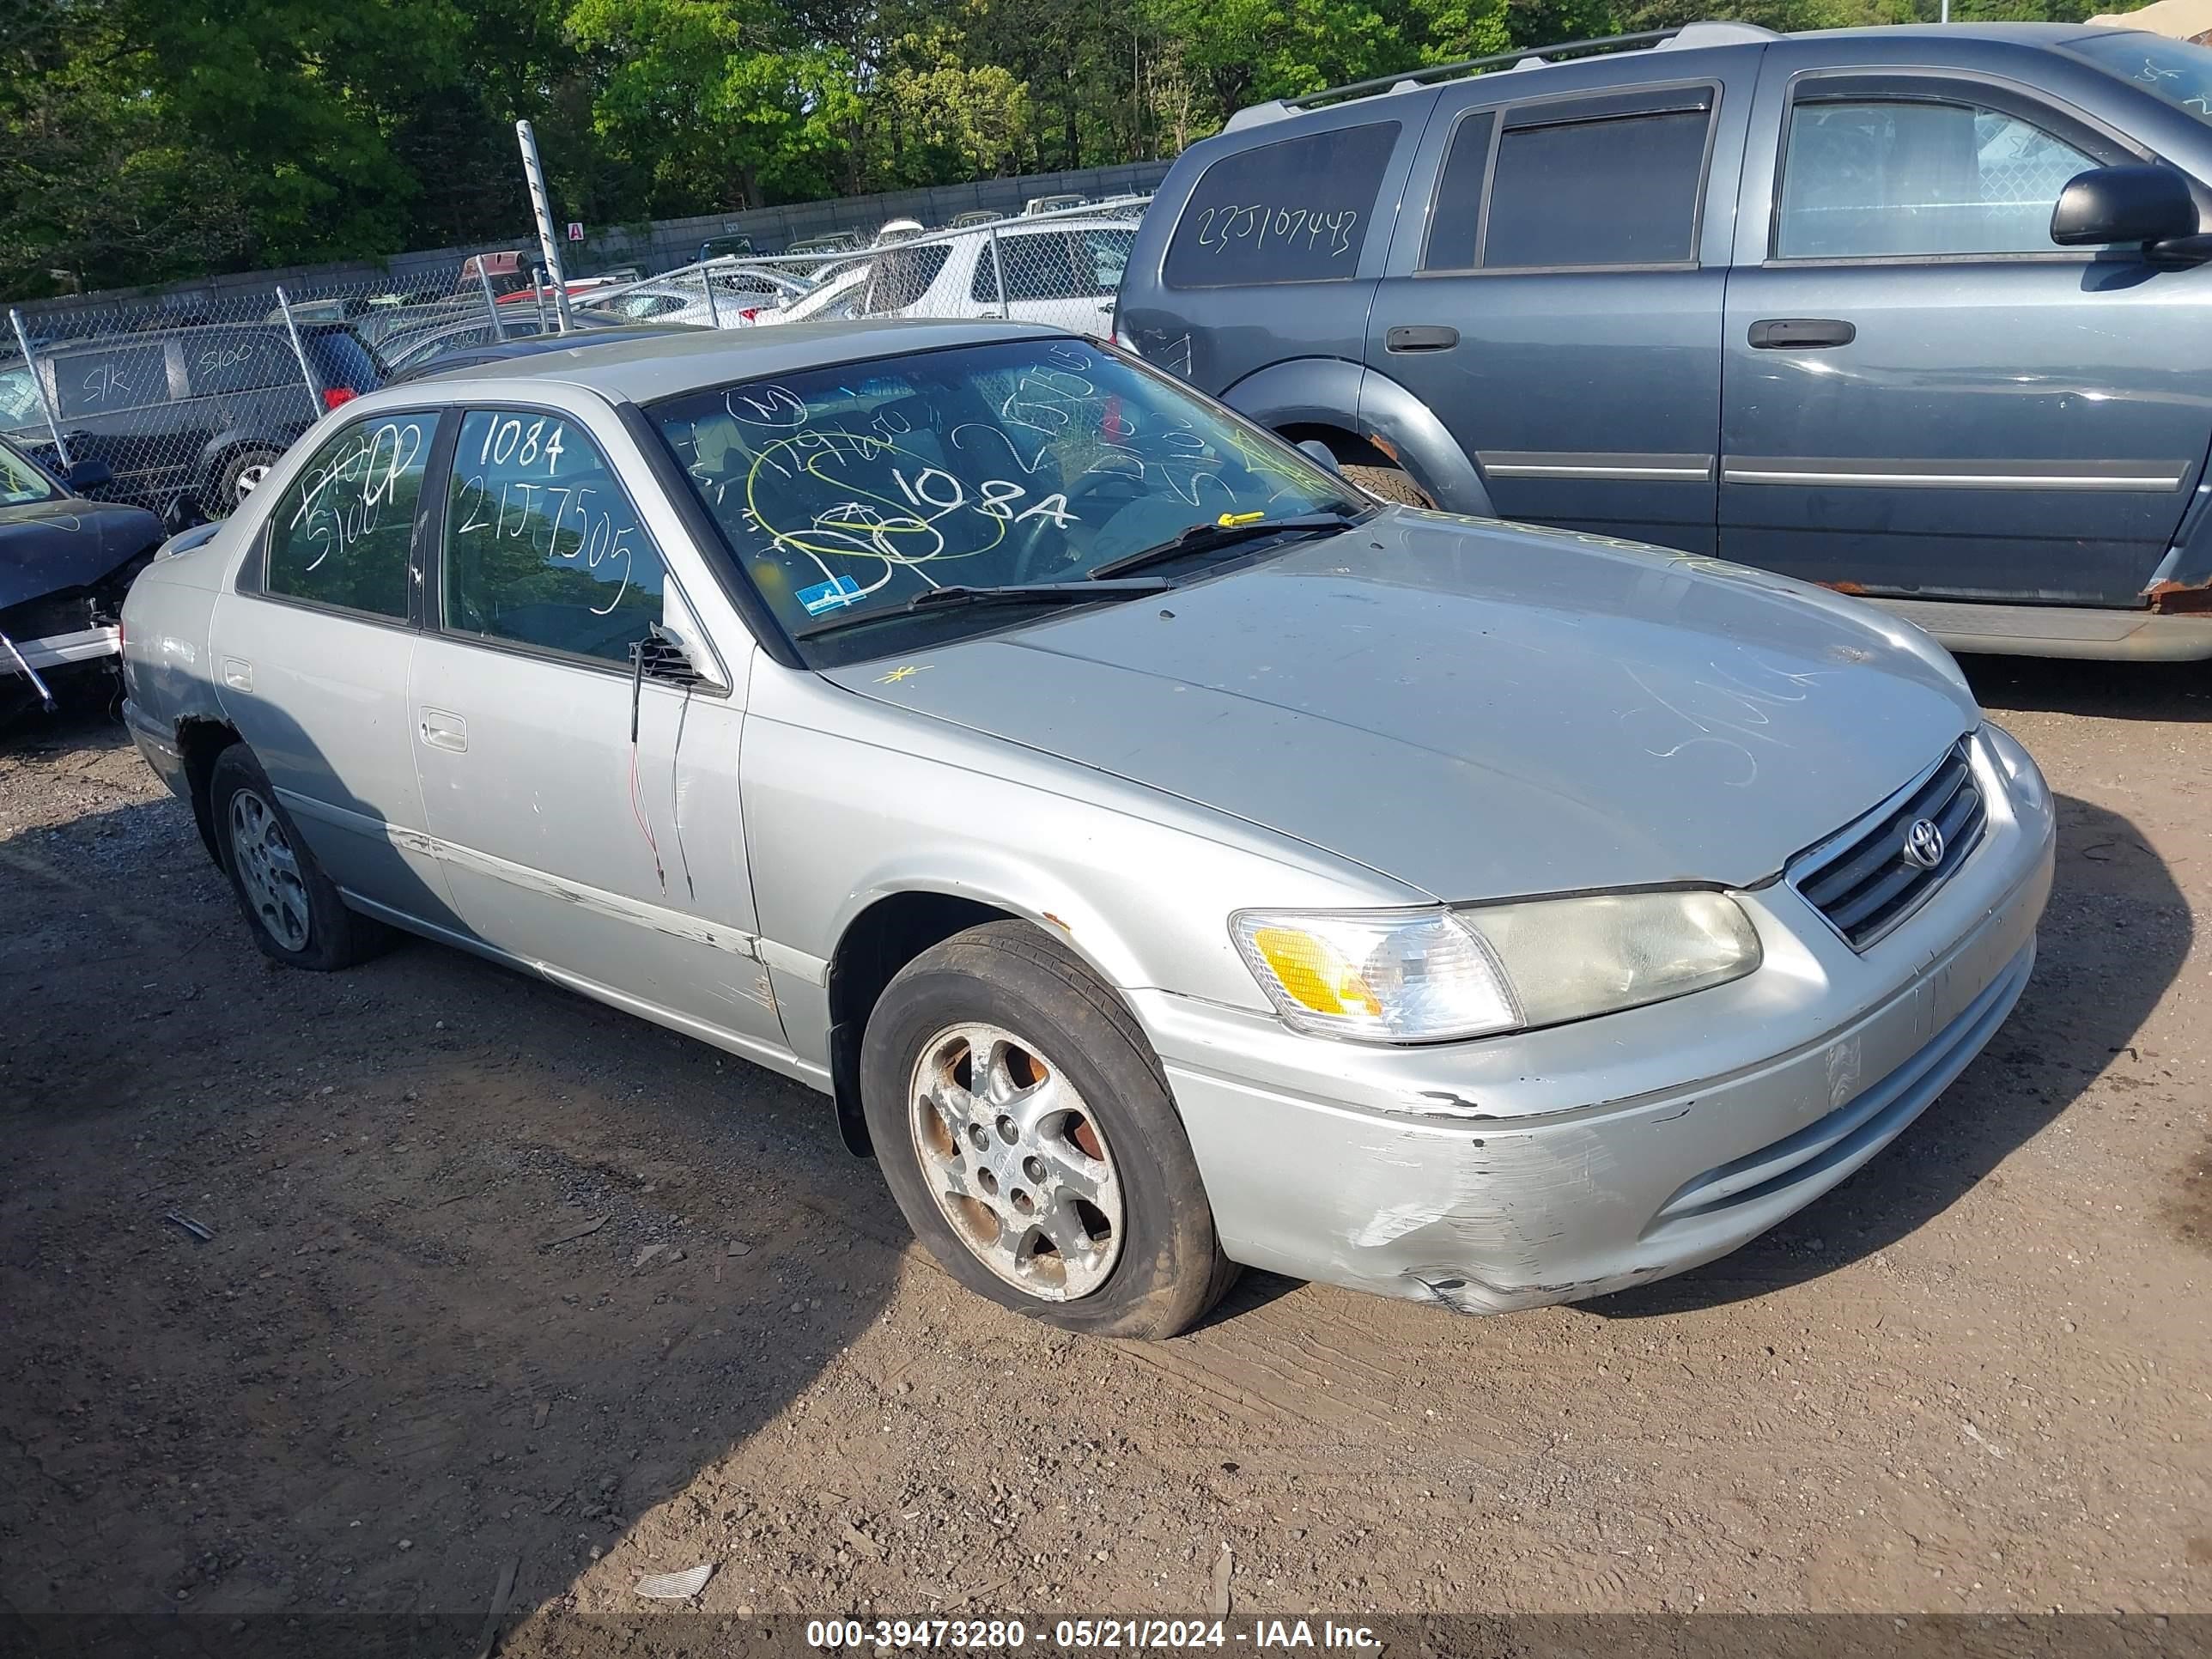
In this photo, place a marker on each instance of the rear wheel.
(1029, 1138)
(292, 908)
(240, 475)
(1388, 483)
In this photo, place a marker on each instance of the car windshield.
(21, 483)
(860, 487)
(2175, 70)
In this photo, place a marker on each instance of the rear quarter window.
(243, 361)
(1294, 211)
(88, 383)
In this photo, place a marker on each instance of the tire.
(291, 907)
(241, 473)
(1387, 483)
(1072, 1052)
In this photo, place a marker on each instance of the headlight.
(1426, 976)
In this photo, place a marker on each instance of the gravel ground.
(497, 1278)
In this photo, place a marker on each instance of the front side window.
(901, 276)
(543, 547)
(1622, 191)
(20, 406)
(1872, 178)
(21, 483)
(1294, 212)
(92, 383)
(855, 490)
(342, 530)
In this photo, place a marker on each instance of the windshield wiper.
(1226, 531)
(940, 598)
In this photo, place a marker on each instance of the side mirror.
(2137, 203)
(89, 475)
(1314, 450)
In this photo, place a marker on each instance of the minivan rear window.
(1294, 212)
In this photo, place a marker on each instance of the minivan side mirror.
(86, 476)
(2140, 202)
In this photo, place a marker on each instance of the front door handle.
(448, 732)
(1420, 338)
(1801, 333)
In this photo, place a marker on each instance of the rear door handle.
(448, 732)
(1420, 338)
(1801, 333)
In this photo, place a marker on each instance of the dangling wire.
(637, 801)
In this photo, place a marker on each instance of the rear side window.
(1618, 191)
(343, 530)
(121, 377)
(1295, 212)
(543, 547)
(241, 361)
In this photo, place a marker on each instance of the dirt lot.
(1978, 1376)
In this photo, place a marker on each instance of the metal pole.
(706, 281)
(536, 177)
(1946, 17)
(491, 304)
(46, 404)
(998, 266)
(538, 293)
(306, 373)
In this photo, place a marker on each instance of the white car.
(838, 300)
(741, 298)
(1063, 272)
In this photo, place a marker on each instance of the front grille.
(1863, 881)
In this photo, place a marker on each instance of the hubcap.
(248, 478)
(1015, 1161)
(268, 870)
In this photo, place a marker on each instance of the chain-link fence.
(184, 408)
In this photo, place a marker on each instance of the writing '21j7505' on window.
(543, 547)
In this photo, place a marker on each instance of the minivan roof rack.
(1685, 36)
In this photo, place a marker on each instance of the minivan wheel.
(1387, 483)
(242, 474)
(1028, 1136)
(292, 908)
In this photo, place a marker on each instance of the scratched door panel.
(567, 848)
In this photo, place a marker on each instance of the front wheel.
(241, 474)
(1387, 483)
(1029, 1138)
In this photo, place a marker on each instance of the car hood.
(1477, 709)
(50, 547)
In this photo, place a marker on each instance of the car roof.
(641, 370)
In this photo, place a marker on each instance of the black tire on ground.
(1169, 1269)
(276, 861)
(1387, 483)
(239, 475)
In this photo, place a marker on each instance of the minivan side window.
(238, 360)
(1871, 178)
(543, 547)
(118, 377)
(1294, 212)
(343, 530)
(1615, 191)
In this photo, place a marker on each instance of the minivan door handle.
(1420, 338)
(1801, 333)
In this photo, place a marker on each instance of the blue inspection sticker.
(828, 596)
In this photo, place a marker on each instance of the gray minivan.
(1919, 313)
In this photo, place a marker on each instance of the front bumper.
(1558, 1165)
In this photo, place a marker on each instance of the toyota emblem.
(1924, 844)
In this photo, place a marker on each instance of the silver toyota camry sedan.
(1164, 857)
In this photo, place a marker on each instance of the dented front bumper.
(1558, 1165)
